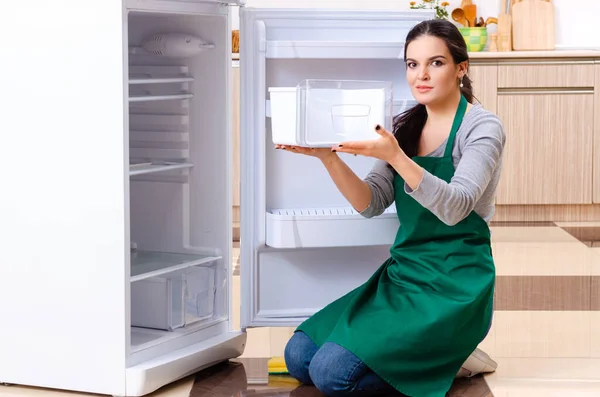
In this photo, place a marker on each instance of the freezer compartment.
(331, 227)
(321, 113)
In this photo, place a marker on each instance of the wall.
(575, 22)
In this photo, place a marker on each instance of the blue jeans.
(332, 369)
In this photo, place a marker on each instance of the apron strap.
(458, 118)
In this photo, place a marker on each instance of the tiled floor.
(248, 377)
(544, 336)
(547, 312)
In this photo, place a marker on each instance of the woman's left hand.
(385, 148)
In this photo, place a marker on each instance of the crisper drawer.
(321, 113)
(175, 299)
(546, 75)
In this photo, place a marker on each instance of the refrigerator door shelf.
(329, 227)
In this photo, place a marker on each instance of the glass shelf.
(147, 264)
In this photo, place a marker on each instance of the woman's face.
(430, 70)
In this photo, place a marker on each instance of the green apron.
(425, 310)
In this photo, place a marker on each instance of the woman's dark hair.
(409, 125)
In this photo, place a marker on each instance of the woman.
(412, 325)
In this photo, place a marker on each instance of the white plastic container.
(322, 113)
(173, 300)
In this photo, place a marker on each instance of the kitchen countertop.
(564, 52)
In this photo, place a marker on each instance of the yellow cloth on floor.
(282, 381)
(277, 365)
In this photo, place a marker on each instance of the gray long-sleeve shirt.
(477, 159)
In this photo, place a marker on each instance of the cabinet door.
(548, 154)
(484, 78)
(596, 171)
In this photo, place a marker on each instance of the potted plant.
(437, 5)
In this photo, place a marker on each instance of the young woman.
(413, 324)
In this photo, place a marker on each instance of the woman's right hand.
(320, 153)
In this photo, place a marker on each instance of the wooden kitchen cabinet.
(548, 153)
(545, 74)
(484, 77)
(596, 166)
(547, 109)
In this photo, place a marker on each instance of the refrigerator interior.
(312, 233)
(295, 182)
(306, 245)
(179, 187)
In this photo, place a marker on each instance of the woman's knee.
(298, 354)
(335, 371)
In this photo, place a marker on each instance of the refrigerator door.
(63, 213)
(302, 245)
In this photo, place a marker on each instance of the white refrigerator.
(115, 175)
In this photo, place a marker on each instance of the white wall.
(575, 22)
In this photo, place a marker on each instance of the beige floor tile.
(510, 234)
(180, 388)
(533, 388)
(489, 343)
(279, 338)
(544, 258)
(235, 254)
(24, 391)
(577, 224)
(587, 369)
(258, 344)
(235, 302)
(526, 377)
(595, 331)
(539, 334)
